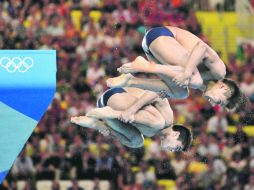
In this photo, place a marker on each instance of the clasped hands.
(127, 116)
(182, 79)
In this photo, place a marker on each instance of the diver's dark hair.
(185, 136)
(238, 99)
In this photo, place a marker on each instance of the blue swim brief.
(103, 100)
(151, 35)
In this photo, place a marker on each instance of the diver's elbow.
(221, 71)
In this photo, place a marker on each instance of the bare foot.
(84, 121)
(120, 81)
(140, 64)
(93, 123)
(103, 113)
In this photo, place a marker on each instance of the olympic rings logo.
(16, 64)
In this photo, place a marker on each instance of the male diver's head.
(176, 138)
(225, 93)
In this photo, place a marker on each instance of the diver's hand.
(182, 79)
(127, 116)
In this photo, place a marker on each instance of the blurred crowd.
(92, 39)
